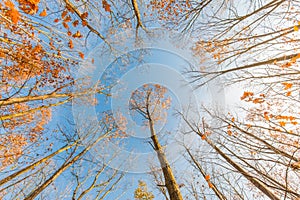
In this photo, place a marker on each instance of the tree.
(253, 49)
(40, 49)
(141, 193)
(149, 102)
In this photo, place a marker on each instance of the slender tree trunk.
(257, 183)
(63, 167)
(24, 170)
(218, 193)
(170, 181)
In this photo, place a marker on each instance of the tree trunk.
(257, 183)
(170, 181)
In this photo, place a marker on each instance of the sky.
(156, 62)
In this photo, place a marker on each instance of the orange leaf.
(203, 137)
(266, 116)
(84, 15)
(207, 177)
(287, 85)
(286, 65)
(77, 35)
(43, 13)
(56, 20)
(81, 55)
(246, 94)
(289, 93)
(9, 4)
(291, 118)
(106, 6)
(296, 28)
(65, 25)
(229, 132)
(75, 23)
(281, 123)
(64, 13)
(294, 59)
(67, 19)
(210, 185)
(14, 15)
(71, 46)
(84, 23)
(258, 100)
(294, 123)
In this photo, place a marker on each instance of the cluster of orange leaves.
(25, 61)
(66, 18)
(17, 121)
(11, 148)
(32, 126)
(12, 12)
(106, 6)
(27, 6)
(249, 97)
(117, 126)
(287, 86)
(229, 131)
(169, 9)
(34, 121)
(288, 63)
(153, 98)
(207, 178)
(217, 49)
(282, 120)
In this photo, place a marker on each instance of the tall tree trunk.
(170, 181)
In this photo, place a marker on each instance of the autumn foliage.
(30, 67)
